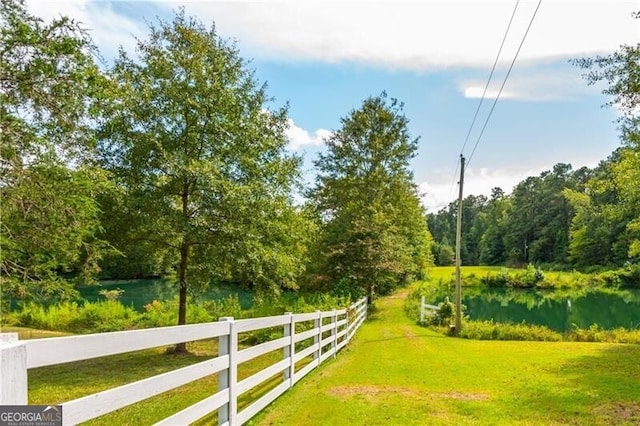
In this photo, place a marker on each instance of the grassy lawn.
(395, 372)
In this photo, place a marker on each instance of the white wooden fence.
(426, 308)
(326, 333)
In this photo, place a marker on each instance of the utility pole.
(458, 260)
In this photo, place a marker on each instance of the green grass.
(449, 272)
(396, 372)
(30, 333)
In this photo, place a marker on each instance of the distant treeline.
(564, 218)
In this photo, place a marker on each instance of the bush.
(444, 315)
(488, 330)
(629, 276)
(163, 314)
(89, 317)
(112, 315)
(412, 301)
(227, 307)
(597, 334)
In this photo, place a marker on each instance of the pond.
(558, 310)
(138, 293)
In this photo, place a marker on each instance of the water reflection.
(138, 293)
(559, 310)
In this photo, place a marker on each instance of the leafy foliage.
(201, 162)
(48, 184)
(374, 234)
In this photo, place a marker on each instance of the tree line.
(173, 162)
(563, 218)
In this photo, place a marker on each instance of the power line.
(506, 77)
(486, 86)
(484, 92)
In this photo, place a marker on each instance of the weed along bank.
(303, 342)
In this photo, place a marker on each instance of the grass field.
(398, 373)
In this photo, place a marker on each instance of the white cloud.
(412, 35)
(443, 189)
(299, 137)
(475, 92)
(421, 35)
(537, 83)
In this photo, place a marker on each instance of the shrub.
(89, 317)
(412, 301)
(629, 276)
(162, 314)
(597, 334)
(111, 295)
(103, 316)
(227, 307)
(488, 330)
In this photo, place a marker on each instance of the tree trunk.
(371, 294)
(181, 348)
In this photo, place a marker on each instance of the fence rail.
(325, 332)
(425, 309)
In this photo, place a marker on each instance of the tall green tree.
(374, 228)
(201, 159)
(48, 183)
(443, 228)
(491, 245)
(621, 71)
(537, 229)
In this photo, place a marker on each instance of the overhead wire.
(493, 68)
(504, 82)
(484, 92)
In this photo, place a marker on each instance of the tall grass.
(112, 315)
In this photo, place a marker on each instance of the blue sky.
(325, 57)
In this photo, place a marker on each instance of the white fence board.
(58, 350)
(304, 353)
(328, 327)
(342, 344)
(254, 408)
(261, 349)
(252, 324)
(51, 351)
(305, 370)
(197, 410)
(97, 404)
(305, 317)
(326, 341)
(305, 335)
(331, 352)
(262, 375)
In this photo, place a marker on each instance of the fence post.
(13, 370)
(422, 310)
(289, 350)
(350, 325)
(227, 379)
(346, 336)
(317, 324)
(365, 309)
(334, 333)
